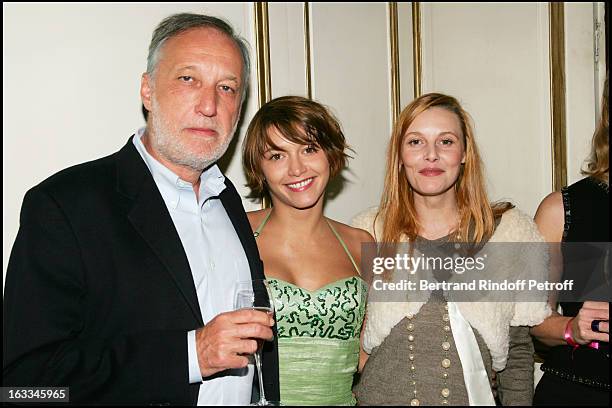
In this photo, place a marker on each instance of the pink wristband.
(569, 339)
(594, 345)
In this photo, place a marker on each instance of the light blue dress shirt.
(217, 261)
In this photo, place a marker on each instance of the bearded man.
(120, 282)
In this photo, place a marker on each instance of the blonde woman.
(437, 352)
(577, 367)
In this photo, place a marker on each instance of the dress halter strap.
(263, 223)
(265, 220)
(343, 245)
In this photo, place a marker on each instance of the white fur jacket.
(491, 319)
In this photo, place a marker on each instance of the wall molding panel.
(394, 62)
(262, 47)
(557, 95)
(416, 48)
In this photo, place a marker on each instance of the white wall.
(494, 59)
(582, 93)
(71, 76)
(350, 74)
(406, 54)
(287, 49)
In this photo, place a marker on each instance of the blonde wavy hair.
(597, 164)
(477, 214)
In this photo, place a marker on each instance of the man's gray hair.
(177, 23)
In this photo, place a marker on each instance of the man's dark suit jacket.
(99, 295)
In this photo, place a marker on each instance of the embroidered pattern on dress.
(566, 211)
(335, 311)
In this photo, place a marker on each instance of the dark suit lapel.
(151, 219)
(233, 206)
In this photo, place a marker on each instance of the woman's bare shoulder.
(550, 217)
(351, 235)
(256, 217)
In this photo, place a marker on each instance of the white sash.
(475, 376)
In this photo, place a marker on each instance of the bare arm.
(364, 237)
(550, 221)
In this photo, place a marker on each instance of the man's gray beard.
(168, 143)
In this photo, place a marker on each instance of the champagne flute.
(255, 294)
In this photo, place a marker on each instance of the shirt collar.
(171, 186)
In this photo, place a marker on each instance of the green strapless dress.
(318, 340)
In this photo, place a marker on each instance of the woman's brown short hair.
(299, 120)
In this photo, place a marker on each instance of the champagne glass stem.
(262, 395)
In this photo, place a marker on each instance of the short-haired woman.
(293, 148)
